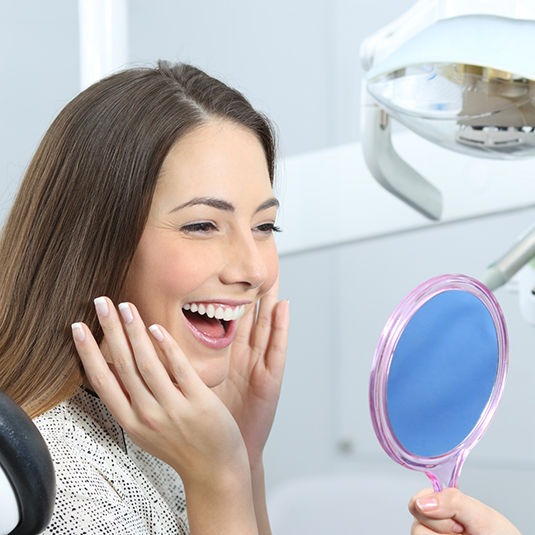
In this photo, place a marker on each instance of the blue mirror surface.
(442, 373)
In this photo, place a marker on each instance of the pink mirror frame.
(444, 470)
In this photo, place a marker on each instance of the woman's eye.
(204, 226)
(268, 228)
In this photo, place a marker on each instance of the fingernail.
(458, 528)
(102, 307)
(126, 312)
(155, 330)
(427, 504)
(78, 332)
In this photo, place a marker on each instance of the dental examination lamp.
(459, 73)
(465, 81)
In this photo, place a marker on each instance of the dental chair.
(27, 479)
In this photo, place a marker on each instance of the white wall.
(298, 60)
(39, 73)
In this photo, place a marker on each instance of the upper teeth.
(226, 313)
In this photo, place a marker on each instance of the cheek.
(271, 260)
(179, 272)
(163, 271)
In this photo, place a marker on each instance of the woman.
(151, 189)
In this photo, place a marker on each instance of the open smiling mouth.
(211, 321)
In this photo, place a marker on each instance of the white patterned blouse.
(105, 483)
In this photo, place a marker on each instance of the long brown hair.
(81, 210)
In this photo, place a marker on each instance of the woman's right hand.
(450, 511)
(168, 411)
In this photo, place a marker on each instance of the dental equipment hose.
(503, 269)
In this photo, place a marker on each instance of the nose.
(244, 263)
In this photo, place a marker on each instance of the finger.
(150, 376)
(476, 517)
(278, 343)
(430, 510)
(98, 373)
(160, 379)
(119, 347)
(244, 331)
(262, 328)
(413, 508)
(419, 529)
(180, 372)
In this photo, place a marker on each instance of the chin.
(213, 371)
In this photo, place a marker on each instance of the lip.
(223, 302)
(210, 341)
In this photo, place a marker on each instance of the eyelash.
(206, 226)
(268, 228)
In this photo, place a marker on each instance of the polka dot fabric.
(105, 483)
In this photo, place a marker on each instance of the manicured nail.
(78, 332)
(427, 504)
(126, 312)
(101, 306)
(458, 528)
(155, 330)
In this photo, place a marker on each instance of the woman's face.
(208, 248)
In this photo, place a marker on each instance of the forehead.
(215, 157)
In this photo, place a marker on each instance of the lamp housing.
(464, 81)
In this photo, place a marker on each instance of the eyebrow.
(268, 204)
(223, 205)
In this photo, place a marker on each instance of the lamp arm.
(103, 34)
(387, 167)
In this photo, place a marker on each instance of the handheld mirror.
(438, 375)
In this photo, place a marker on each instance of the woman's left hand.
(251, 390)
